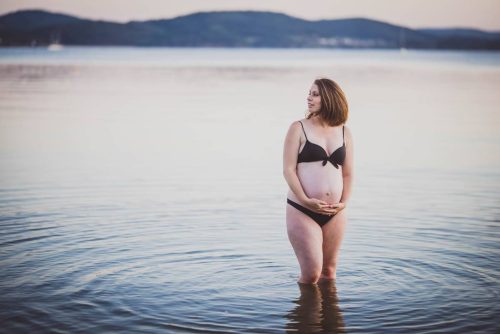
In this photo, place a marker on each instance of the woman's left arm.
(347, 167)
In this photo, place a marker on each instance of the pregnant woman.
(318, 165)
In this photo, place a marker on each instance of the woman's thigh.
(333, 234)
(306, 238)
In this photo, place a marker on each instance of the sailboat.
(402, 40)
(54, 42)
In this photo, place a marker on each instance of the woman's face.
(313, 99)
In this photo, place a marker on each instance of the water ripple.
(116, 215)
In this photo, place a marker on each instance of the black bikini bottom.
(317, 217)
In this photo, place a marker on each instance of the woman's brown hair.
(334, 108)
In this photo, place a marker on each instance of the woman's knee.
(310, 276)
(329, 271)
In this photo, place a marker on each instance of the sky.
(478, 14)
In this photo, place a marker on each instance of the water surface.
(141, 191)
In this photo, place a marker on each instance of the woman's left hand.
(337, 207)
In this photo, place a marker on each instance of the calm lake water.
(141, 191)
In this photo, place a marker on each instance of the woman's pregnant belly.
(321, 182)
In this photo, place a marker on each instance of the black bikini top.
(313, 152)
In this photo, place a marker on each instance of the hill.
(233, 29)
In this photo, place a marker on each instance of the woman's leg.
(333, 234)
(306, 238)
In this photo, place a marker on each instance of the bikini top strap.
(343, 140)
(303, 129)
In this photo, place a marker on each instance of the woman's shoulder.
(296, 126)
(347, 132)
(297, 123)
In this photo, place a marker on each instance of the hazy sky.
(481, 14)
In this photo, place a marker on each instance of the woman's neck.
(318, 121)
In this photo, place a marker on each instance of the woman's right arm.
(290, 154)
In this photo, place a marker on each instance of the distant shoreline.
(234, 29)
(45, 47)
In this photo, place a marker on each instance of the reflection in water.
(317, 310)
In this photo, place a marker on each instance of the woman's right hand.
(320, 206)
